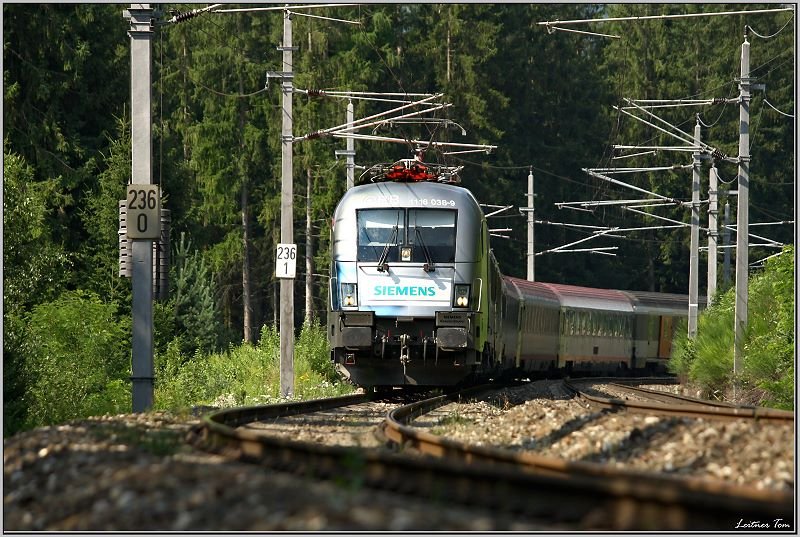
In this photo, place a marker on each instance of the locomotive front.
(408, 278)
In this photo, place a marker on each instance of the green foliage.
(76, 359)
(62, 70)
(100, 218)
(674, 59)
(684, 352)
(196, 319)
(769, 349)
(313, 356)
(247, 374)
(768, 375)
(35, 271)
(28, 246)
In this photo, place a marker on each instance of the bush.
(76, 359)
(314, 354)
(684, 352)
(767, 376)
(769, 347)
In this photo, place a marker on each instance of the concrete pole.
(694, 247)
(309, 254)
(351, 151)
(726, 242)
(713, 234)
(287, 214)
(742, 213)
(531, 253)
(141, 33)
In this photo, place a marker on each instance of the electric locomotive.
(416, 297)
(408, 287)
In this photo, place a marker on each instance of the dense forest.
(546, 98)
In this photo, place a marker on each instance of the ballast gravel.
(540, 418)
(135, 473)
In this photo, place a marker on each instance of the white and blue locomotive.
(416, 297)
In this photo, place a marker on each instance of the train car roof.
(533, 289)
(573, 296)
(649, 302)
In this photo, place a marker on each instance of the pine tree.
(196, 318)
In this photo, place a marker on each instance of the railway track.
(667, 404)
(582, 494)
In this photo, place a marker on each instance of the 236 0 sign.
(144, 212)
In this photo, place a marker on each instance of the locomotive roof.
(416, 195)
(396, 194)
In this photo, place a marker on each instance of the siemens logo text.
(387, 290)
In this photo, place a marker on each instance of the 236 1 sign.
(286, 261)
(143, 212)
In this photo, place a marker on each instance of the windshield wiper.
(429, 266)
(382, 265)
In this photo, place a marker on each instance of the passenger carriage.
(656, 318)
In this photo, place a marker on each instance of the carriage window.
(434, 229)
(378, 228)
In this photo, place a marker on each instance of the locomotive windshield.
(430, 232)
(379, 229)
(434, 229)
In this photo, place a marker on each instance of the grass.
(453, 418)
(160, 442)
(247, 374)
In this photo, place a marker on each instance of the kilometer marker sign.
(143, 212)
(286, 261)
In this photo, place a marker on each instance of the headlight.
(349, 294)
(405, 253)
(461, 295)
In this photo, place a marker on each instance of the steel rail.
(220, 432)
(687, 407)
(670, 397)
(234, 417)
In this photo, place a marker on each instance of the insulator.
(718, 155)
(718, 100)
(180, 17)
(125, 261)
(314, 92)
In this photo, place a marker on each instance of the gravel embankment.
(540, 418)
(134, 473)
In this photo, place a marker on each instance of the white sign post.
(286, 261)
(144, 212)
